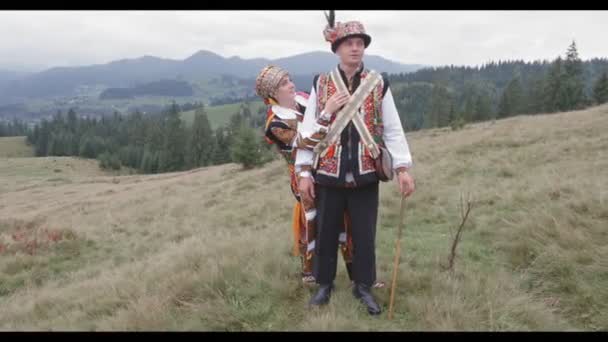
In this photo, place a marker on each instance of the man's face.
(351, 50)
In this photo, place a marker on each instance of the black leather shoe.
(323, 294)
(364, 294)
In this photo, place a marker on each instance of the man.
(342, 177)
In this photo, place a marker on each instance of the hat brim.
(366, 39)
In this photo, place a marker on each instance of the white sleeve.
(394, 136)
(306, 129)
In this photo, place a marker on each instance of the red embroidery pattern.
(330, 163)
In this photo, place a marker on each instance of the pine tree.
(137, 129)
(470, 98)
(154, 134)
(70, 147)
(534, 96)
(221, 151)
(247, 149)
(55, 147)
(574, 78)
(600, 90)
(32, 137)
(172, 156)
(234, 126)
(72, 122)
(456, 119)
(483, 107)
(201, 140)
(149, 161)
(511, 101)
(58, 121)
(556, 97)
(452, 116)
(42, 141)
(438, 115)
(87, 147)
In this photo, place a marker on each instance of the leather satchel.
(384, 165)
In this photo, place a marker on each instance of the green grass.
(220, 115)
(50, 261)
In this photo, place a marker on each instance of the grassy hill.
(209, 249)
(15, 147)
(220, 115)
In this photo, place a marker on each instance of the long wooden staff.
(397, 255)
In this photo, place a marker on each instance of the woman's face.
(286, 92)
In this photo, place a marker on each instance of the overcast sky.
(60, 38)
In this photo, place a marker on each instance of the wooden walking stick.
(396, 262)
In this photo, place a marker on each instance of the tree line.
(438, 97)
(153, 143)
(13, 128)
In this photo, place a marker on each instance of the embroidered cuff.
(324, 116)
(305, 174)
(402, 167)
(321, 127)
(305, 168)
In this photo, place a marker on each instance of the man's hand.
(406, 183)
(336, 101)
(306, 188)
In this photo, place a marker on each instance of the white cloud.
(54, 38)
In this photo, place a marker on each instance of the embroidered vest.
(349, 154)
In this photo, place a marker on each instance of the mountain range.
(203, 65)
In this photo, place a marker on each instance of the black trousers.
(361, 204)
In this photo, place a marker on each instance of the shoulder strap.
(366, 137)
(348, 112)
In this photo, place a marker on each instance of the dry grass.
(210, 249)
(14, 147)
